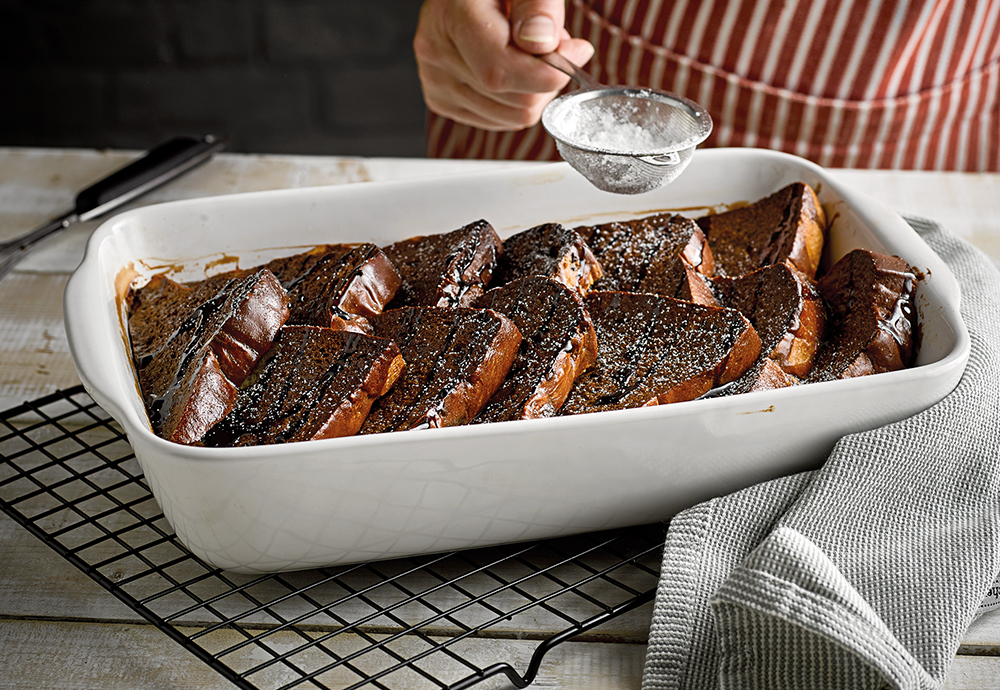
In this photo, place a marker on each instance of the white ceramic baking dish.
(312, 504)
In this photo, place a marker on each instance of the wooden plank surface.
(114, 656)
(59, 629)
(134, 657)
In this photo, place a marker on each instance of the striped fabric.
(903, 84)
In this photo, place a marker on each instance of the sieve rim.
(694, 110)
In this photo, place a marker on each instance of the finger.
(460, 102)
(468, 103)
(536, 25)
(576, 50)
(517, 72)
(445, 60)
(443, 82)
(488, 61)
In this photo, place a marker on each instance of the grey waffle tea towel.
(862, 574)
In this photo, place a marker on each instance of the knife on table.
(160, 165)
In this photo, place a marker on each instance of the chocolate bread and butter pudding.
(550, 250)
(456, 359)
(448, 270)
(190, 382)
(871, 316)
(337, 286)
(665, 254)
(558, 343)
(313, 383)
(657, 350)
(555, 321)
(789, 225)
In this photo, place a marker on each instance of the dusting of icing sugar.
(606, 129)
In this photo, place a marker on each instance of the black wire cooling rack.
(68, 475)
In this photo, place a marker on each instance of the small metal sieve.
(624, 140)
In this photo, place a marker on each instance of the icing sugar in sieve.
(607, 130)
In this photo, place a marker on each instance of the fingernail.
(538, 29)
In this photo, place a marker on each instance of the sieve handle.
(568, 68)
(663, 159)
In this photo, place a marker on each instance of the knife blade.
(157, 167)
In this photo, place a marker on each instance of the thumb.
(536, 25)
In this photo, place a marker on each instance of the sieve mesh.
(626, 141)
(621, 124)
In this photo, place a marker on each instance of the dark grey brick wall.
(279, 76)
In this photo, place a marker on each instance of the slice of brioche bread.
(448, 270)
(552, 251)
(456, 359)
(337, 286)
(785, 309)
(789, 225)
(871, 316)
(189, 382)
(159, 307)
(558, 344)
(657, 350)
(665, 254)
(313, 383)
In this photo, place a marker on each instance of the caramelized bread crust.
(763, 375)
(313, 383)
(665, 254)
(456, 360)
(189, 383)
(785, 309)
(550, 250)
(871, 316)
(186, 413)
(337, 286)
(159, 307)
(789, 225)
(558, 344)
(657, 350)
(449, 270)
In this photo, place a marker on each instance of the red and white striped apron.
(905, 84)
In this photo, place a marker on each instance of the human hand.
(474, 61)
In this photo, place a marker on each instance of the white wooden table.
(60, 630)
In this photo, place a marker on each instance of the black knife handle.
(159, 165)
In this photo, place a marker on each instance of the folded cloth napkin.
(864, 573)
